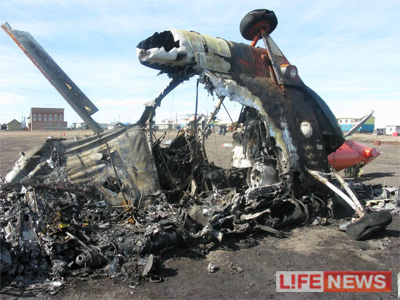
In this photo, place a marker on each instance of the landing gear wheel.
(255, 20)
(262, 174)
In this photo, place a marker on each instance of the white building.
(392, 129)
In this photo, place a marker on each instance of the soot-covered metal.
(295, 129)
(110, 203)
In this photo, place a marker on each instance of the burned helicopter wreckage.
(106, 201)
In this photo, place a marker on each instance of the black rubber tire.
(368, 225)
(254, 20)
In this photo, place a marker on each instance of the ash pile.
(55, 225)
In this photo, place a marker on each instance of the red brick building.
(47, 118)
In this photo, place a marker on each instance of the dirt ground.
(244, 269)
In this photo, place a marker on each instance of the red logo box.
(338, 281)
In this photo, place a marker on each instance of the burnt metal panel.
(118, 164)
(124, 156)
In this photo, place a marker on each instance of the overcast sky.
(347, 51)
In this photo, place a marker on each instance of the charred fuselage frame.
(286, 129)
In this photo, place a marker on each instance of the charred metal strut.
(150, 108)
(214, 113)
(275, 68)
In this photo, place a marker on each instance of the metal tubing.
(349, 201)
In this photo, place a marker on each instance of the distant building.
(380, 131)
(166, 126)
(347, 123)
(47, 118)
(4, 126)
(14, 125)
(393, 130)
(81, 125)
(180, 122)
